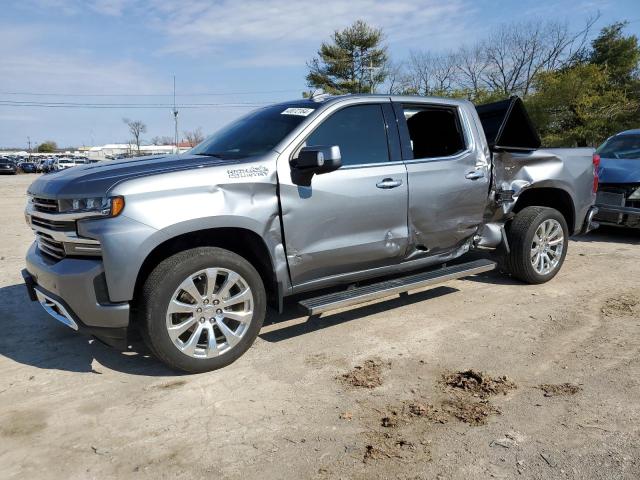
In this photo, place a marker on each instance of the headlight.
(635, 195)
(107, 206)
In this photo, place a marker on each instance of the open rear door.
(507, 126)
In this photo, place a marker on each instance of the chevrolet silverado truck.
(299, 197)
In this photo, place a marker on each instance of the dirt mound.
(469, 411)
(620, 305)
(477, 383)
(367, 375)
(556, 390)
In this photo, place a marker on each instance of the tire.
(164, 284)
(523, 231)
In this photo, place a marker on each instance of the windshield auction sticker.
(302, 112)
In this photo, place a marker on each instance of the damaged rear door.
(354, 218)
(449, 176)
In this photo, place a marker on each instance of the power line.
(12, 103)
(167, 95)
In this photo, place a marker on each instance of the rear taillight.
(596, 168)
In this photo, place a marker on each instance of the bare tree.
(517, 52)
(506, 62)
(394, 73)
(472, 66)
(136, 128)
(431, 74)
(194, 137)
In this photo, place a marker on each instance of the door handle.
(474, 175)
(389, 183)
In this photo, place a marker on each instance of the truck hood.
(614, 170)
(98, 178)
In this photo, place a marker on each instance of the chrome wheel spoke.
(243, 296)
(242, 317)
(190, 345)
(556, 241)
(232, 338)
(212, 345)
(176, 306)
(231, 280)
(176, 330)
(190, 287)
(212, 276)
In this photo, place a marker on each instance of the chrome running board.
(367, 293)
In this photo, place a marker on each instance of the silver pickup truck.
(298, 197)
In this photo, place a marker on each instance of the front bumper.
(73, 291)
(618, 216)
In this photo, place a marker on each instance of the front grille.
(45, 205)
(49, 246)
(55, 225)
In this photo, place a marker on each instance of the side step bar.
(347, 298)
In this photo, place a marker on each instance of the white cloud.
(279, 32)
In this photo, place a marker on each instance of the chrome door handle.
(474, 175)
(389, 183)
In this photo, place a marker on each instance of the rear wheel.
(203, 308)
(538, 240)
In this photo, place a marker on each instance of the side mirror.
(318, 159)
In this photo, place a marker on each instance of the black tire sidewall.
(166, 278)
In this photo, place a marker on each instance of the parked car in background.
(7, 167)
(63, 164)
(618, 198)
(28, 167)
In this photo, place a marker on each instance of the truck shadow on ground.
(314, 323)
(31, 337)
(611, 234)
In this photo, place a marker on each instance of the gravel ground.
(478, 378)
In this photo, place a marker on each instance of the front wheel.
(203, 308)
(538, 241)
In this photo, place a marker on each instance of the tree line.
(579, 87)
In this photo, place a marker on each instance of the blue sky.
(240, 51)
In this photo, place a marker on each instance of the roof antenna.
(318, 94)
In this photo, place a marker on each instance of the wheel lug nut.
(201, 319)
(211, 320)
(219, 311)
(199, 310)
(206, 301)
(216, 302)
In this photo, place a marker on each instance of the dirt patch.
(367, 375)
(401, 446)
(20, 424)
(620, 305)
(470, 411)
(170, 385)
(477, 383)
(557, 390)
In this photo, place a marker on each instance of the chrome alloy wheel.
(547, 247)
(209, 312)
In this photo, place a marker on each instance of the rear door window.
(435, 131)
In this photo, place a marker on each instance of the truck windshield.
(621, 146)
(256, 133)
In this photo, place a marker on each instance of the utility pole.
(371, 68)
(175, 116)
(29, 142)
